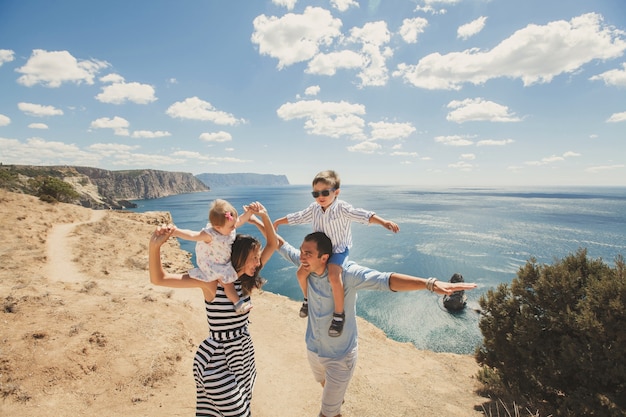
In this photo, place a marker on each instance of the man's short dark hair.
(324, 244)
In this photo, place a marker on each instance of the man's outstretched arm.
(403, 282)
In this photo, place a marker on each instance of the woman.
(224, 368)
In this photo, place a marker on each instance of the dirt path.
(60, 265)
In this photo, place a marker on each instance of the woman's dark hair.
(241, 248)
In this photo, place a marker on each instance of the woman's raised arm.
(268, 231)
(159, 276)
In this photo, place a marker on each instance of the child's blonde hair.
(220, 211)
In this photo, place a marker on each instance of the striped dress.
(224, 368)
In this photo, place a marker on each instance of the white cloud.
(552, 159)
(42, 126)
(343, 5)
(328, 64)
(192, 155)
(617, 117)
(112, 78)
(492, 142)
(36, 151)
(385, 130)
(468, 156)
(404, 154)
(472, 28)
(534, 54)
(111, 149)
(454, 140)
(141, 159)
(6, 55)
(436, 2)
(412, 28)
(478, 109)
(4, 120)
(37, 110)
(118, 124)
(430, 6)
(150, 134)
(372, 37)
(570, 154)
(293, 37)
(462, 166)
(312, 90)
(603, 168)
(220, 136)
(123, 155)
(51, 69)
(120, 91)
(613, 77)
(195, 109)
(365, 147)
(289, 4)
(332, 119)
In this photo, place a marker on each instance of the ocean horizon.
(485, 234)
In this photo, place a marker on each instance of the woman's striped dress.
(224, 367)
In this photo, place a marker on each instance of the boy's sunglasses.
(323, 193)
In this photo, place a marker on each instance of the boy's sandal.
(336, 326)
(304, 310)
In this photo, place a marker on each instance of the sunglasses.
(323, 193)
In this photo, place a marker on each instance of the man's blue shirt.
(321, 304)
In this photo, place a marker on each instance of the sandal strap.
(339, 316)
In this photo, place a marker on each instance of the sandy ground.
(84, 333)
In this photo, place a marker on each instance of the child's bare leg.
(240, 306)
(302, 276)
(336, 283)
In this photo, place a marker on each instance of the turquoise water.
(484, 234)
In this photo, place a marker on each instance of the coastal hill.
(85, 333)
(103, 189)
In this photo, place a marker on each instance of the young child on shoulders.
(332, 216)
(213, 248)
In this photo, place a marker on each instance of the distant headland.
(103, 189)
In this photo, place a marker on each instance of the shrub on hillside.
(52, 189)
(557, 335)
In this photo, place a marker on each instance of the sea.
(485, 234)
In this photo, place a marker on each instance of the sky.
(470, 93)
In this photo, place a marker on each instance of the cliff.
(242, 179)
(141, 184)
(100, 188)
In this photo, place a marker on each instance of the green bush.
(556, 337)
(52, 189)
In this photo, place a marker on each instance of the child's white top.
(334, 222)
(213, 259)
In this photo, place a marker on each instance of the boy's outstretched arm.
(278, 222)
(387, 224)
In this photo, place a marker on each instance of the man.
(333, 359)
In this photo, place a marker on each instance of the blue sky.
(416, 92)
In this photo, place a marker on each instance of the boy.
(332, 216)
